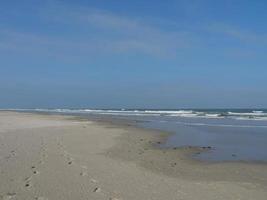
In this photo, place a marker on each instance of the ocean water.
(232, 134)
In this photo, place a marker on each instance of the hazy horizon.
(132, 109)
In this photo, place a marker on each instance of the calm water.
(232, 134)
(230, 139)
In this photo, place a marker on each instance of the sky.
(133, 54)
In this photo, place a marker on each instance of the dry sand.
(60, 157)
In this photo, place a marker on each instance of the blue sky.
(129, 54)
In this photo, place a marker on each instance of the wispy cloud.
(97, 32)
(243, 35)
(88, 32)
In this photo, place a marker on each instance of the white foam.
(247, 114)
(213, 116)
(253, 115)
(257, 111)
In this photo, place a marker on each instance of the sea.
(232, 134)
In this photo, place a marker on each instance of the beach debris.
(70, 162)
(233, 155)
(97, 189)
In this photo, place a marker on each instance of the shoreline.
(170, 155)
(112, 161)
(185, 154)
(127, 123)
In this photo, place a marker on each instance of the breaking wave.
(238, 114)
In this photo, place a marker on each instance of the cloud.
(27, 43)
(240, 34)
(73, 32)
(89, 31)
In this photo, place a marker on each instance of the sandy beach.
(54, 157)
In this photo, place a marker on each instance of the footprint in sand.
(41, 162)
(13, 152)
(35, 172)
(28, 184)
(67, 157)
(83, 173)
(70, 160)
(10, 155)
(97, 189)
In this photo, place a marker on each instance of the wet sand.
(62, 157)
